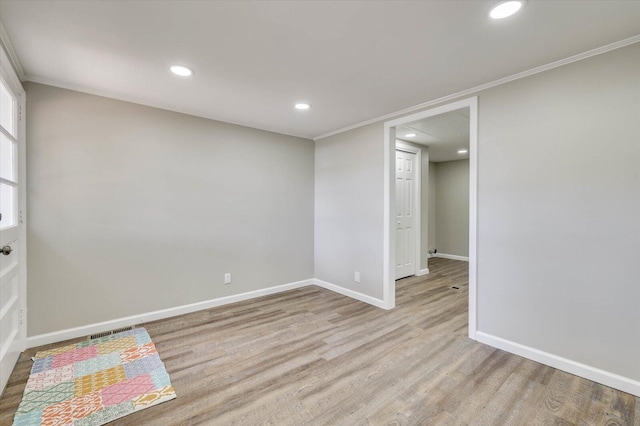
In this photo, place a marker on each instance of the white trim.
(473, 90)
(7, 181)
(452, 257)
(85, 330)
(417, 196)
(351, 293)
(473, 217)
(422, 272)
(606, 378)
(388, 236)
(5, 41)
(9, 74)
(388, 278)
(22, 212)
(402, 146)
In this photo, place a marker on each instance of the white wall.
(452, 207)
(559, 210)
(134, 209)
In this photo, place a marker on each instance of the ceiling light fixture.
(505, 9)
(462, 151)
(181, 70)
(303, 106)
(410, 135)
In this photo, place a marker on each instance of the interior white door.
(12, 279)
(405, 214)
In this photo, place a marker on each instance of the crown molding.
(472, 90)
(6, 44)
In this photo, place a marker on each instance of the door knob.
(6, 250)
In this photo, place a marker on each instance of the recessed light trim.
(410, 135)
(302, 106)
(505, 9)
(462, 151)
(181, 70)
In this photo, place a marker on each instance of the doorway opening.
(413, 152)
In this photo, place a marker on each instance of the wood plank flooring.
(311, 356)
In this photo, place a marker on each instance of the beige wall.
(134, 209)
(558, 210)
(452, 207)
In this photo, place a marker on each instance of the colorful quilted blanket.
(95, 381)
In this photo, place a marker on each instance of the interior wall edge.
(604, 377)
(452, 256)
(352, 294)
(422, 272)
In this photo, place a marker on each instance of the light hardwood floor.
(310, 356)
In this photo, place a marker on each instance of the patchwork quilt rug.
(95, 381)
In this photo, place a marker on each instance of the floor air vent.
(108, 333)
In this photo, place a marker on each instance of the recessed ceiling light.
(505, 9)
(181, 70)
(303, 106)
(410, 135)
(462, 151)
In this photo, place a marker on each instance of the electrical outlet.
(356, 276)
(227, 278)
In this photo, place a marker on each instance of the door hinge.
(21, 316)
(20, 112)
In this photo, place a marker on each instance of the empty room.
(319, 212)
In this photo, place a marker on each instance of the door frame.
(389, 284)
(402, 146)
(10, 77)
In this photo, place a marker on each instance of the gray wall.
(452, 207)
(433, 232)
(559, 210)
(348, 210)
(134, 209)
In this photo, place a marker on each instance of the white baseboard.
(85, 330)
(352, 294)
(452, 256)
(422, 272)
(606, 378)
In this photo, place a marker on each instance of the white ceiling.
(444, 134)
(352, 60)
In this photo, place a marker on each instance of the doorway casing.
(389, 284)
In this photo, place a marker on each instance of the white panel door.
(405, 214)
(12, 279)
